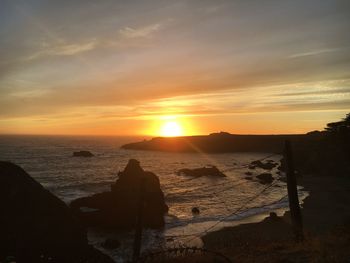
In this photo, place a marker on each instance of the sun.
(171, 129)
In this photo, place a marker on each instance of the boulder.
(82, 154)
(36, 225)
(204, 171)
(265, 178)
(269, 165)
(118, 208)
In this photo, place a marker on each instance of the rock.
(259, 164)
(111, 243)
(273, 216)
(248, 178)
(118, 207)
(35, 224)
(265, 178)
(248, 173)
(204, 171)
(195, 210)
(82, 154)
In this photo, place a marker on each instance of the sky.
(115, 67)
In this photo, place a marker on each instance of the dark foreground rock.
(265, 178)
(82, 154)
(204, 171)
(36, 226)
(118, 207)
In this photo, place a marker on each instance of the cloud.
(314, 52)
(64, 49)
(142, 32)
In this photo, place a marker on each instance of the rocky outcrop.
(82, 154)
(118, 207)
(265, 178)
(204, 171)
(36, 226)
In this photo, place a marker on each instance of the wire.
(238, 210)
(221, 190)
(233, 213)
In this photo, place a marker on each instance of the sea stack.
(118, 207)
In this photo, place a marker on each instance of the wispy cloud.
(64, 49)
(141, 32)
(314, 52)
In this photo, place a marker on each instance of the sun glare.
(170, 129)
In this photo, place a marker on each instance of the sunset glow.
(224, 65)
(171, 129)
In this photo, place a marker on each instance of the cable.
(230, 187)
(233, 213)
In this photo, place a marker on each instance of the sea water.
(221, 201)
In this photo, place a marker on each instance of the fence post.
(139, 221)
(294, 207)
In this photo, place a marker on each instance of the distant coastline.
(218, 143)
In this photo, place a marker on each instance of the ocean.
(222, 201)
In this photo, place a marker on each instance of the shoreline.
(324, 211)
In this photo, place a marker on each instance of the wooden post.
(139, 221)
(294, 207)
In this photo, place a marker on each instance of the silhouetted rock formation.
(118, 207)
(265, 178)
(82, 154)
(216, 143)
(269, 165)
(35, 225)
(204, 171)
